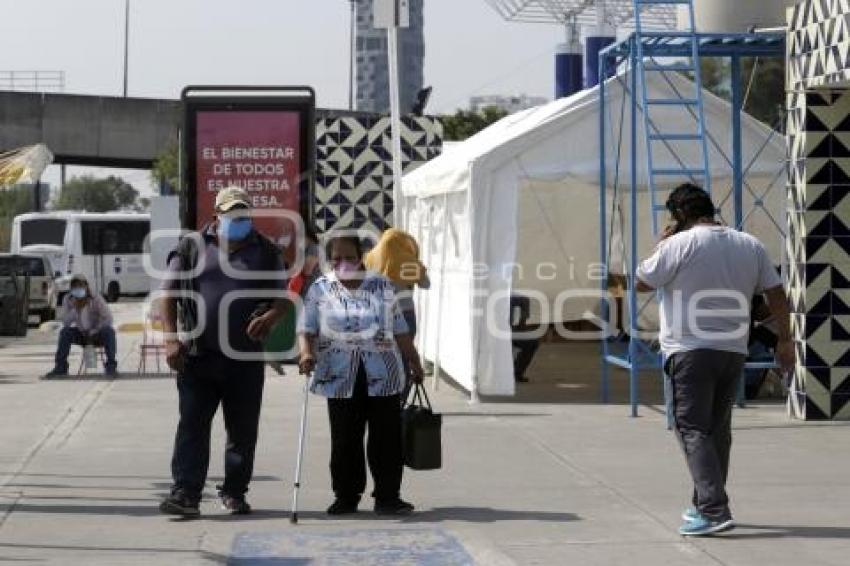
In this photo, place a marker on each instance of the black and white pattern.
(818, 242)
(354, 178)
(819, 43)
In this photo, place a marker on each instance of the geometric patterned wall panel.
(354, 177)
(819, 43)
(818, 241)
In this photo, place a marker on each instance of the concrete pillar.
(818, 238)
(819, 253)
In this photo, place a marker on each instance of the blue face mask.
(234, 229)
(78, 292)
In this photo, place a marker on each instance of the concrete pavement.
(550, 477)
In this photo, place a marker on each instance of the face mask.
(347, 269)
(78, 292)
(234, 229)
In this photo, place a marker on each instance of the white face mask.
(78, 292)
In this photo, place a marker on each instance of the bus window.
(91, 231)
(43, 231)
(114, 237)
(109, 240)
(137, 233)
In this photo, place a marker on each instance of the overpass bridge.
(353, 167)
(101, 131)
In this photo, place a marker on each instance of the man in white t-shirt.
(708, 275)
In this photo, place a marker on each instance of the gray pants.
(704, 384)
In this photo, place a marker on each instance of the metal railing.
(32, 81)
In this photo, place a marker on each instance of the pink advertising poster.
(258, 151)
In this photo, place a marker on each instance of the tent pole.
(737, 158)
(603, 253)
(421, 329)
(437, 368)
(633, 338)
(424, 306)
(738, 174)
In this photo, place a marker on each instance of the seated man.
(761, 345)
(86, 320)
(526, 347)
(762, 325)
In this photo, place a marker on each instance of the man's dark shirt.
(213, 284)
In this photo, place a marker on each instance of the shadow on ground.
(150, 508)
(486, 515)
(746, 531)
(569, 373)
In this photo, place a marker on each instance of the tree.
(464, 124)
(766, 100)
(13, 201)
(715, 76)
(166, 167)
(94, 194)
(764, 89)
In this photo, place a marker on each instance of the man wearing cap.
(223, 364)
(86, 321)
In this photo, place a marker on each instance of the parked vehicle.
(14, 305)
(42, 290)
(105, 247)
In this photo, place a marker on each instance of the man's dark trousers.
(207, 381)
(527, 348)
(704, 386)
(70, 335)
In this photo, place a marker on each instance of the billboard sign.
(259, 139)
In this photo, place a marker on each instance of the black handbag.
(421, 432)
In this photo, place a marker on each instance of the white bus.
(106, 247)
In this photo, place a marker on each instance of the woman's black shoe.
(342, 507)
(393, 507)
(236, 505)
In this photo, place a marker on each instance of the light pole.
(126, 42)
(351, 54)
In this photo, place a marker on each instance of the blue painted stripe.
(377, 547)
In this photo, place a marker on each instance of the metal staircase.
(647, 62)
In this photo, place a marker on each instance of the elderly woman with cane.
(353, 336)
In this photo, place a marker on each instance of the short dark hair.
(353, 240)
(689, 202)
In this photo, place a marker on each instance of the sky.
(469, 49)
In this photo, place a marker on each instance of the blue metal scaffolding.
(631, 54)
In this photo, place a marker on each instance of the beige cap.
(230, 197)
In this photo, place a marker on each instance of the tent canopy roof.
(561, 138)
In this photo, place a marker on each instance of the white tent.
(516, 207)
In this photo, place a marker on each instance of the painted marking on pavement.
(364, 547)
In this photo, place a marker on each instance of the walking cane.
(301, 439)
